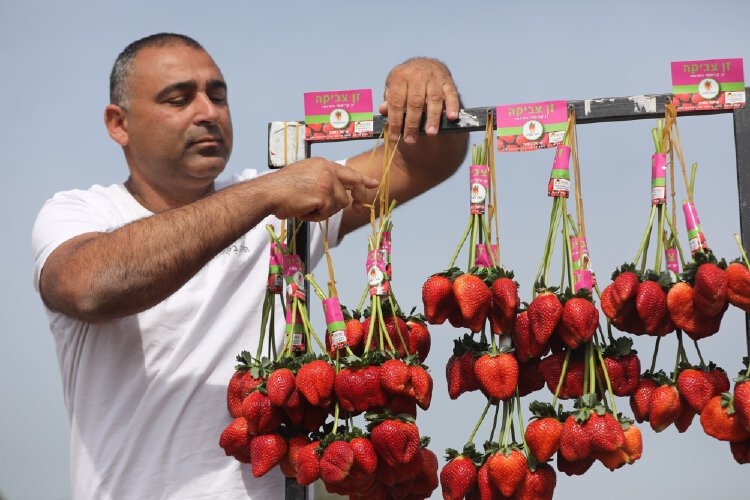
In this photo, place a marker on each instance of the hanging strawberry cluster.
(281, 402)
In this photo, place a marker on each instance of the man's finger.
(415, 101)
(452, 104)
(395, 95)
(434, 107)
(351, 178)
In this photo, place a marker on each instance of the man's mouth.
(208, 140)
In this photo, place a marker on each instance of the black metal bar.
(742, 150)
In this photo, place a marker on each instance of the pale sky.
(56, 58)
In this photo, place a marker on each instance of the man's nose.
(206, 110)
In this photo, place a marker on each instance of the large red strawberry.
(426, 478)
(742, 400)
(622, 292)
(262, 417)
(623, 367)
(698, 386)
(640, 400)
(307, 464)
(686, 417)
(247, 376)
(315, 382)
(421, 383)
(577, 468)
(497, 375)
(438, 299)
(459, 371)
(354, 331)
(295, 444)
(395, 440)
(473, 297)
(395, 328)
(575, 442)
(359, 389)
(580, 320)
(418, 339)
(395, 377)
(545, 312)
(530, 379)
(719, 419)
(543, 432)
(507, 469)
(524, 341)
(686, 317)
(740, 451)
(280, 385)
(485, 488)
(505, 302)
(336, 462)
(665, 407)
(537, 485)
(266, 452)
(458, 477)
(651, 306)
(738, 285)
(604, 431)
(235, 440)
(551, 369)
(710, 290)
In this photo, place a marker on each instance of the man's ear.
(117, 124)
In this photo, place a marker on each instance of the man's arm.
(417, 86)
(104, 276)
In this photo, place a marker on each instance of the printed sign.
(708, 84)
(527, 127)
(336, 115)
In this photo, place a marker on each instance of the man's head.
(170, 114)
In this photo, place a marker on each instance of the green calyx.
(626, 268)
(541, 410)
(621, 346)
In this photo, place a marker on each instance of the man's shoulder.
(95, 192)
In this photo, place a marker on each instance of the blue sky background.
(56, 57)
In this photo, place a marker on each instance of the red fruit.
(266, 451)
(262, 417)
(537, 485)
(395, 441)
(505, 303)
(438, 299)
(355, 336)
(473, 297)
(577, 468)
(459, 372)
(421, 383)
(665, 407)
(698, 387)
(485, 487)
(710, 290)
(624, 289)
(315, 382)
(402, 404)
(294, 446)
(551, 369)
(426, 479)
(336, 462)
(575, 443)
(280, 386)
(633, 445)
(497, 375)
(235, 440)
(545, 312)
(524, 341)
(395, 377)
(604, 431)
(741, 451)
(719, 420)
(458, 477)
(365, 457)
(579, 322)
(624, 373)
(395, 329)
(315, 416)
(543, 438)
(738, 286)
(418, 338)
(640, 400)
(530, 379)
(651, 306)
(240, 384)
(507, 469)
(742, 402)
(307, 464)
(359, 389)
(686, 417)
(685, 316)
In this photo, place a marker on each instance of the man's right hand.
(315, 189)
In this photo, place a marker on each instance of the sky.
(56, 58)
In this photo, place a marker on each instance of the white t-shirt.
(146, 394)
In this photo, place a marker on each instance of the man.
(152, 286)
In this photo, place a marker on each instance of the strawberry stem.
(310, 331)
(698, 350)
(316, 288)
(398, 328)
(586, 368)
(494, 422)
(656, 351)
(606, 379)
(504, 425)
(660, 237)
(646, 237)
(520, 423)
(512, 433)
(371, 329)
(692, 179)
(272, 335)
(481, 419)
(566, 244)
(473, 242)
(676, 241)
(562, 376)
(547, 250)
(461, 244)
(677, 358)
(263, 323)
(742, 249)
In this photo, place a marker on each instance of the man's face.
(178, 123)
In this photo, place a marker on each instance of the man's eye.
(218, 99)
(177, 101)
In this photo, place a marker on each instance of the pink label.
(692, 72)
(658, 166)
(377, 273)
(353, 101)
(670, 255)
(294, 276)
(691, 216)
(574, 252)
(515, 115)
(583, 279)
(483, 258)
(562, 158)
(478, 184)
(332, 310)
